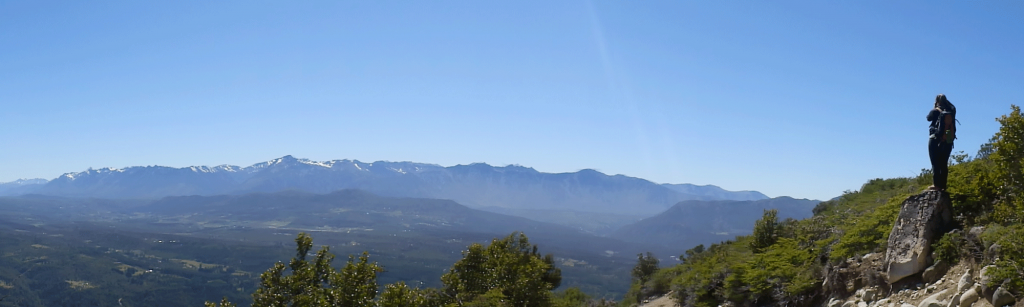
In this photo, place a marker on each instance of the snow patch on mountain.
(215, 169)
(91, 171)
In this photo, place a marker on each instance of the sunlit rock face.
(923, 218)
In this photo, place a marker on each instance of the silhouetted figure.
(940, 141)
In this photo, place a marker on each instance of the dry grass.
(124, 268)
(195, 265)
(80, 284)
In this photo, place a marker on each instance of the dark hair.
(941, 102)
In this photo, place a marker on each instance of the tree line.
(507, 272)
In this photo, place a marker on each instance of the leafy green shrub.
(870, 232)
(780, 270)
(657, 284)
(661, 282)
(1011, 259)
(701, 279)
(974, 189)
(571, 297)
(948, 248)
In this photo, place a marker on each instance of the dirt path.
(664, 301)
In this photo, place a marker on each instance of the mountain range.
(476, 185)
(21, 186)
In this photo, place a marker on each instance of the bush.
(1011, 259)
(948, 248)
(765, 231)
(871, 231)
(510, 266)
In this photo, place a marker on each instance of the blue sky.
(797, 98)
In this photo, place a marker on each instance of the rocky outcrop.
(922, 219)
(862, 273)
(958, 287)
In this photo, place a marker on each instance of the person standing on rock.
(940, 142)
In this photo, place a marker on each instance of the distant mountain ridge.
(475, 185)
(694, 222)
(21, 186)
(715, 192)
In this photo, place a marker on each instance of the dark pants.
(939, 152)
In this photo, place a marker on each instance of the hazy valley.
(409, 216)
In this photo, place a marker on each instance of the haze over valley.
(414, 217)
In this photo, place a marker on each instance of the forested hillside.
(784, 263)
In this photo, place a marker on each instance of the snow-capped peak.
(326, 164)
(92, 171)
(219, 168)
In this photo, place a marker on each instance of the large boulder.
(966, 281)
(986, 280)
(835, 303)
(1002, 298)
(934, 300)
(969, 297)
(869, 294)
(934, 272)
(923, 217)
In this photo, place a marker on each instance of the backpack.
(946, 124)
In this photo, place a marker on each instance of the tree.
(400, 295)
(1009, 160)
(316, 282)
(1009, 148)
(509, 270)
(765, 231)
(689, 254)
(644, 268)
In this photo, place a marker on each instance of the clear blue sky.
(805, 99)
